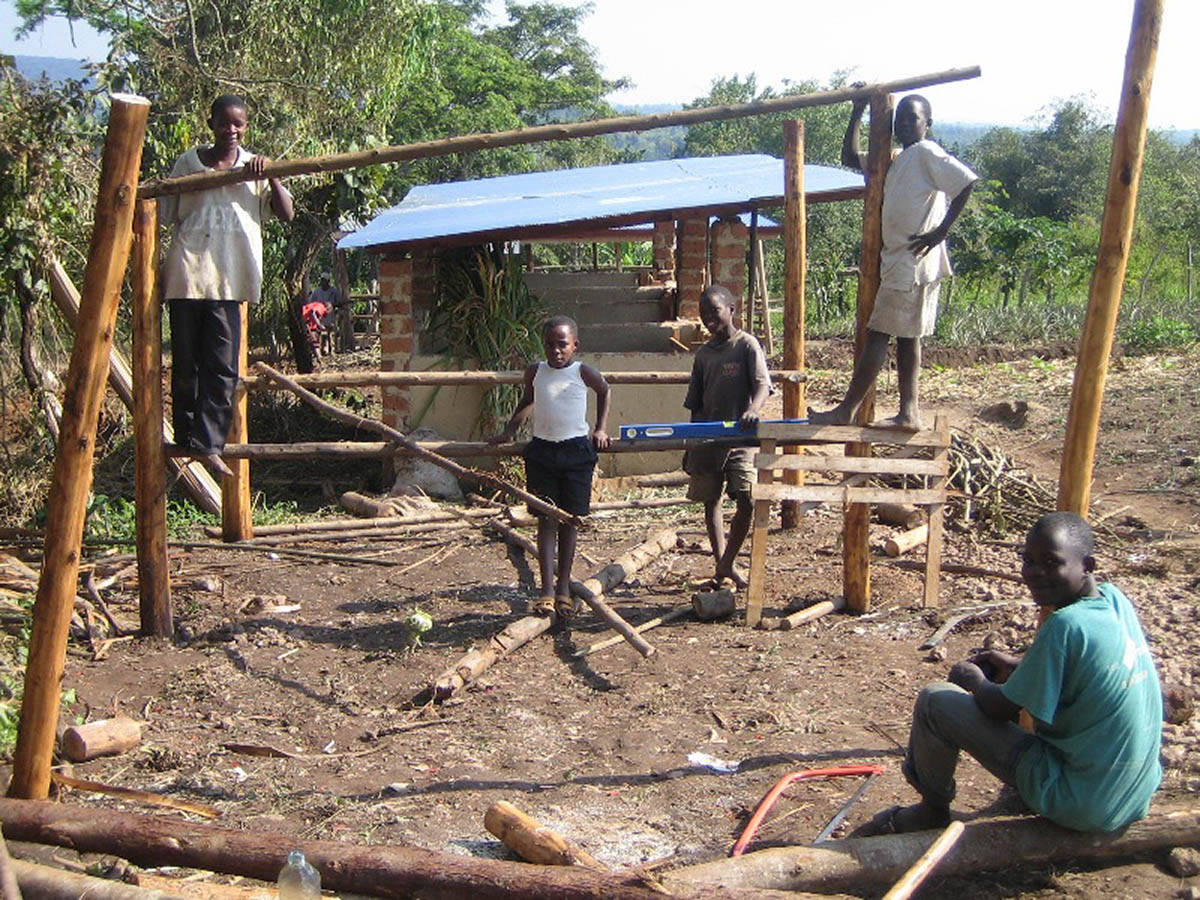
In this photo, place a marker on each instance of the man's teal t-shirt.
(1090, 683)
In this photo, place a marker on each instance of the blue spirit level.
(676, 430)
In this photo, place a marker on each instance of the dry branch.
(380, 871)
(479, 660)
(111, 790)
(411, 447)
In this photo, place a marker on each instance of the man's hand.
(258, 165)
(600, 439)
(996, 666)
(749, 419)
(920, 244)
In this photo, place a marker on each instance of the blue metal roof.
(522, 206)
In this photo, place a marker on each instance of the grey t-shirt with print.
(725, 377)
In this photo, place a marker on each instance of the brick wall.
(691, 265)
(663, 247)
(727, 242)
(397, 332)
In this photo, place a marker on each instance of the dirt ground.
(602, 748)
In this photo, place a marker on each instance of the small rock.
(1184, 862)
(208, 583)
(1188, 893)
(937, 654)
(1177, 703)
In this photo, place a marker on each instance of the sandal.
(542, 606)
(896, 820)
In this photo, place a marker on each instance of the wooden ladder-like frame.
(924, 453)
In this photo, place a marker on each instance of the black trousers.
(205, 345)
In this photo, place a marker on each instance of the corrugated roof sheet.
(518, 206)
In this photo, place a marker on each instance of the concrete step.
(638, 337)
(552, 281)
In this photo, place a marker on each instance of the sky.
(1032, 52)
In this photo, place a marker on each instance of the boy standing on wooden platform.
(561, 457)
(213, 267)
(913, 262)
(1088, 681)
(729, 383)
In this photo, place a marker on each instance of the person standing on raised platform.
(213, 267)
(913, 262)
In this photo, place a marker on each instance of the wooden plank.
(840, 434)
(237, 523)
(758, 545)
(837, 493)
(150, 462)
(1108, 277)
(795, 254)
(871, 465)
(71, 481)
(933, 544)
(195, 479)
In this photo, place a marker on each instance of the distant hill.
(54, 68)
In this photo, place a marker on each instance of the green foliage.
(485, 313)
(1155, 333)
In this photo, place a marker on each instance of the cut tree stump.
(378, 871)
(855, 864)
(104, 737)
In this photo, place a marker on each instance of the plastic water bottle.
(298, 880)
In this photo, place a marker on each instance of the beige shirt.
(216, 248)
(915, 195)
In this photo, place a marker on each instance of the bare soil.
(598, 747)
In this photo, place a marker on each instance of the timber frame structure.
(126, 220)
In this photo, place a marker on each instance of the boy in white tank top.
(561, 457)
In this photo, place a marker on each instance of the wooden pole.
(51, 883)
(448, 146)
(390, 870)
(1108, 278)
(341, 415)
(794, 254)
(677, 613)
(9, 889)
(477, 661)
(471, 377)
(112, 235)
(192, 475)
(856, 565)
(237, 521)
(150, 460)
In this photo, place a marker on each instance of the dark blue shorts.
(561, 472)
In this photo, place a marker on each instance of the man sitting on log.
(1091, 760)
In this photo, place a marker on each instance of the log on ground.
(857, 863)
(49, 883)
(477, 661)
(381, 871)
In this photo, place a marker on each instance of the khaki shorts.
(737, 476)
(906, 313)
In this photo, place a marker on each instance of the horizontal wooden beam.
(466, 143)
(791, 433)
(453, 449)
(874, 465)
(836, 493)
(360, 378)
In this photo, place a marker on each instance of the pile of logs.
(991, 493)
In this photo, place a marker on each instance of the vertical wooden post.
(795, 252)
(856, 564)
(936, 511)
(87, 373)
(237, 523)
(758, 545)
(150, 459)
(749, 308)
(1108, 278)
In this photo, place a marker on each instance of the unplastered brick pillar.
(397, 331)
(663, 246)
(728, 261)
(422, 291)
(692, 265)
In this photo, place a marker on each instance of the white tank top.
(559, 403)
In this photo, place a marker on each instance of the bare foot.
(216, 465)
(735, 576)
(833, 416)
(901, 423)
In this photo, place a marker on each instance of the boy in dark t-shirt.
(729, 383)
